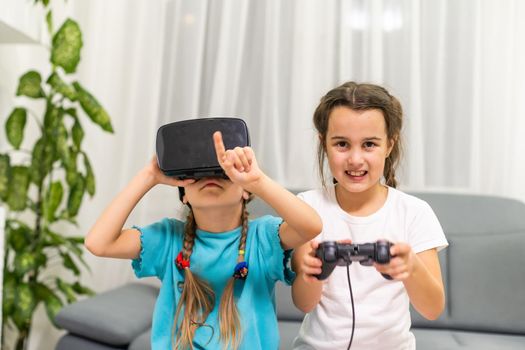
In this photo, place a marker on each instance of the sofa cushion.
(482, 267)
(288, 330)
(115, 317)
(434, 339)
(70, 342)
(142, 342)
(286, 310)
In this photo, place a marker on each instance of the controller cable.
(353, 308)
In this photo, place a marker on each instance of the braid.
(230, 325)
(189, 236)
(197, 297)
(244, 232)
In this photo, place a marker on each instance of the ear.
(184, 199)
(321, 141)
(391, 144)
(245, 195)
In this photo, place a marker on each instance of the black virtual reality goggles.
(185, 149)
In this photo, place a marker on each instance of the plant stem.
(22, 341)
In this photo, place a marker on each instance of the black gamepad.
(334, 254)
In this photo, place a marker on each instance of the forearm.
(109, 225)
(298, 215)
(306, 295)
(425, 291)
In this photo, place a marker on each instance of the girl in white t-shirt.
(359, 128)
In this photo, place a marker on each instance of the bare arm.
(107, 237)
(421, 275)
(306, 289)
(301, 222)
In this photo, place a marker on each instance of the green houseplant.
(43, 186)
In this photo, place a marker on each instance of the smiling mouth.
(356, 173)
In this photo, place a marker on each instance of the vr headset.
(185, 149)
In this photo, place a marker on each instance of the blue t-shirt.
(213, 259)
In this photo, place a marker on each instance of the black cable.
(353, 308)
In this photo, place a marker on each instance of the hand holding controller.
(334, 254)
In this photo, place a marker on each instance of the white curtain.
(455, 65)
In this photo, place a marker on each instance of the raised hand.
(239, 163)
(158, 177)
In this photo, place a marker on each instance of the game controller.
(334, 254)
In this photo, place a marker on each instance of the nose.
(355, 157)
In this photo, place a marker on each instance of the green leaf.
(70, 264)
(51, 300)
(93, 109)
(63, 148)
(72, 245)
(40, 258)
(78, 133)
(14, 127)
(70, 164)
(82, 290)
(62, 87)
(53, 307)
(53, 200)
(17, 196)
(90, 177)
(51, 118)
(9, 294)
(49, 18)
(24, 263)
(67, 290)
(73, 248)
(5, 171)
(29, 85)
(75, 196)
(24, 305)
(41, 160)
(67, 42)
(76, 239)
(18, 238)
(55, 239)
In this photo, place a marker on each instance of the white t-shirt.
(382, 317)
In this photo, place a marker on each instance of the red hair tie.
(181, 262)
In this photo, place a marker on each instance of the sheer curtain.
(455, 65)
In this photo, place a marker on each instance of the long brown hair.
(197, 299)
(362, 97)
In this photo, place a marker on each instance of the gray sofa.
(483, 270)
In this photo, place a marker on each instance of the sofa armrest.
(115, 317)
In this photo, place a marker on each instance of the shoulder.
(166, 225)
(423, 227)
(265, 223)
(407, 201)
(264, 231)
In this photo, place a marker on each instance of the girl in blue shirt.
(218, 269)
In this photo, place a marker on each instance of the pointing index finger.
(220, 150)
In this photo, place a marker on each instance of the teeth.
(356, 173)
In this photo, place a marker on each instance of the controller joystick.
(334, 254)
